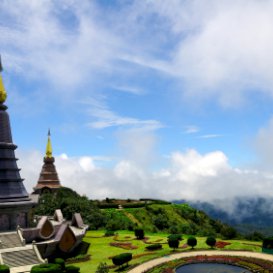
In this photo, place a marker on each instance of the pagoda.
(15, 202)
(49, 180)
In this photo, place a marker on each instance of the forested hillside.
(151, 216)
(248, 215)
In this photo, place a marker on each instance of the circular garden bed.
(252, 264)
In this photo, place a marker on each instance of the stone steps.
(9, 240)
(20, 258)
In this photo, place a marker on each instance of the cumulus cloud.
(188, 175)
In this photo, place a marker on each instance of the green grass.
(100, 250)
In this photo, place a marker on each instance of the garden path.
(150, 264)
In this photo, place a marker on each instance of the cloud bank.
(189, 175)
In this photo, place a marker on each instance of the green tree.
(192, 242)
(173, 243)
(211, 241)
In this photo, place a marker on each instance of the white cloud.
(129, 89)
(210, 136)
(104, 118)
(189, 175)
(218, 49)
(191, 129)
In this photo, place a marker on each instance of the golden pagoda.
(48, 181)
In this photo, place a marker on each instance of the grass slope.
(171, 218)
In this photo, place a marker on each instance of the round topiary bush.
(72, 269)
(211, 241)
(46, 268)
(192, 241)
(4, 268)
(139, 233)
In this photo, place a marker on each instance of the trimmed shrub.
(122, 258)
(46, 268)
(154, 247)
(134, 205)
(72, 269)
(109, 233)
(268, 243)
(173, 243)
(211, 241)
(175, 236)
(192, 241)
(139, 233)
(60, 262)
(4, 268)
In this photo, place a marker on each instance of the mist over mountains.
(246, 214)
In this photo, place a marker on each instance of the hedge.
(122, 258)
(72, 269)
(46, 268)
(154, 247)
(175, 237)
(60, 262)
(4, 268)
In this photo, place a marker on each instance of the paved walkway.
(148, 265)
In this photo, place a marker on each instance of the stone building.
(15, 202)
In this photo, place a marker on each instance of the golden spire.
(48, 146)
(3, 93)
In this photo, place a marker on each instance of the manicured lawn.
(100, 249)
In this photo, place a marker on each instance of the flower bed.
(252, 264)
(116, 238)
(125, 245)
(221, 244)
(145, 241)
(184, 246)
(78, 259)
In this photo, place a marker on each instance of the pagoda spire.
(48, 146)
(48, 181)
(3, 93)
(15, 202)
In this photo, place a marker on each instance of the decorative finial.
(48, 146)
(1, 67)
(3, 93)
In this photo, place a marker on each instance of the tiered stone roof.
(49, 179)
(14, 199)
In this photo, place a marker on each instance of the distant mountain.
(245, 214)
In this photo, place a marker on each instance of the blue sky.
(160, 99)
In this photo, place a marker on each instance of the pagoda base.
(14, 214)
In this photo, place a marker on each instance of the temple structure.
(15, 202)
(48, 181)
